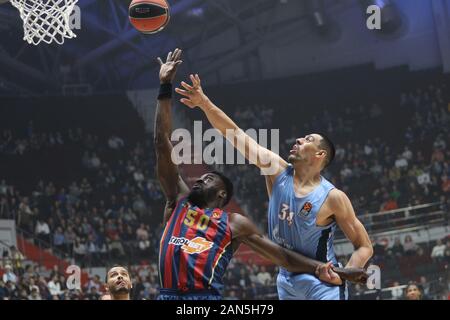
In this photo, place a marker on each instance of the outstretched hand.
(169, 68)
(194, 95)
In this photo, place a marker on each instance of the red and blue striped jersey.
(195, 249)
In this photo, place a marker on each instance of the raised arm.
(246, 232)
(167, 172)
(269, 162)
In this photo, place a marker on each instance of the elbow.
(370, 251)
(366, 251)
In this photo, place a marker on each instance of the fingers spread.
(160, 61)
(194, 81)
(169, 57)
(183, 92)
(187, 102)
(198, 79)
(186, 86)
(177, 54)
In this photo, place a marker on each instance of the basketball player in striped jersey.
(199, 236)
(304, 208)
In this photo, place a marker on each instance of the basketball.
(149, 16)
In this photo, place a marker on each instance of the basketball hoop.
(46, 20)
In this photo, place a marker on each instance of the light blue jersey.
(292, 224)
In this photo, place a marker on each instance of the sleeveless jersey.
(195, 249)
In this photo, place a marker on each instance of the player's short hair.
(328, 146)
(114, 266)
(228, 186)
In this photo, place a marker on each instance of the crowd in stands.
(104, 204)
(104, 214)
(403, 262)
(406, 261)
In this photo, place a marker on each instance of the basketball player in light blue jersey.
(304, 208)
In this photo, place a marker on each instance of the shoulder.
(283, 175)
(326, 183)
(237, 218)
(337, 198)
(241, 225)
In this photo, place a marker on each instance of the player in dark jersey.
(199, 236)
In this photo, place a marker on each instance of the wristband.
(165, 91)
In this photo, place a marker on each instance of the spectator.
(390, 204)
(407, 154)
(379, 248)
(142, 233)
(3, 291)
(231, 296)
(409, 246)
(79, 250)
(115, 143)
(16, 259)
(412, 292)
(42, 230)
(95, 161)
(264, 277)
(59, 239)
(25, 216)
(397, 292)
(438, 250)
(85, 187)
(93, 294)
(54, 286)
(35, 295)
(397, 248)
(138, 176)
(424, 285)
(401, 162)
(9, 275)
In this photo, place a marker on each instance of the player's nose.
(300, 140)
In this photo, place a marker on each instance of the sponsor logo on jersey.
(306, 209)
(196, 245)
(216, 215)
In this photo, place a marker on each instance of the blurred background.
(77, 163)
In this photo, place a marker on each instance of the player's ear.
(321, 153)
(222, 194)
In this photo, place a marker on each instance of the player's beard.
(121, 289)
(293, 158)
(200, 197)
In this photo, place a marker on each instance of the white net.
(46, 20)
